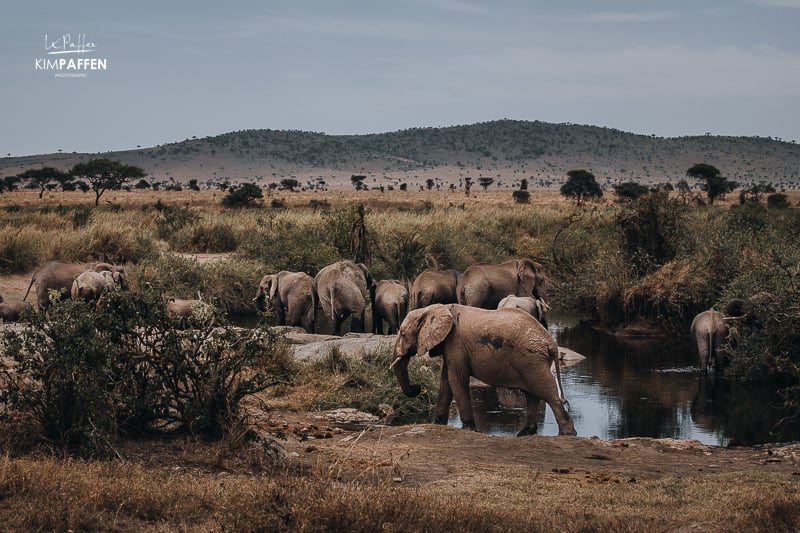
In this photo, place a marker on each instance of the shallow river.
(639, 388)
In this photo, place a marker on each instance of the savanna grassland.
(274, 460)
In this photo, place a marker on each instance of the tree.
(290, 184)
(45, 178)
(358, 181)
(521, 197)
(630, 190)
(9, 183)
(245, 195)
(193, 185)
(684, 190)
(714, 184)
(104, 174)
(142, 184)
(429, 183)
(582, 186)
(485, 182)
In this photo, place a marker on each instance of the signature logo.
(57, 56)
(67, 45)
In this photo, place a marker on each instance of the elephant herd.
(347, 289)
(488, 322)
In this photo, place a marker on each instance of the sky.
(175, 70)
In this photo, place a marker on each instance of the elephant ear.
(273, 287)
(530, 274)
(435, 326)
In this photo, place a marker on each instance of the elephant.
(10, 312)
(344, 289)
(484, 285)
(292, 296)
(503, 348)
(710, 333)
(58, 276)
(91, 285)
(390, 304)
(179, 308)
(536, 307)
(434, 287)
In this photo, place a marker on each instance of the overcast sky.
(182, 69)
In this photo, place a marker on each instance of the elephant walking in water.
(503, 348)
(709, 332)
(484, 285)
(292, 296)
(389, 304)
(344, 290)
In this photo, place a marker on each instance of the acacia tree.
(485, 182)
(581, 185)
(104, 174)
(45, 178)
(716, 185)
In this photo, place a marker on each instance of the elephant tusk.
(396, 359)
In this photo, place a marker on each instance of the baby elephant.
(536, 307)
(389, 304)
(179, 308)
(9, 312)
(91, 285)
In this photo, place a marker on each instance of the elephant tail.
(553, 353)
(33, 278)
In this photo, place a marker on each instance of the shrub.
(650, 229)
(521, 196)
(245, 195)
(778, 201)
(88, 375)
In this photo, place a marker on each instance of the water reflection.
(639, 387)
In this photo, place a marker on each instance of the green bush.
(88, 375)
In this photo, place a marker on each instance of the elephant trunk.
(400, 366)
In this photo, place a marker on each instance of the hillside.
(506, 150)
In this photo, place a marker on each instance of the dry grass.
(63, 495)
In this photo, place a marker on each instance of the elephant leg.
(312, 324)
(545, 388)
(703, 349)
(459, 385)
(442, 409)
(535, 414)
(357, 324)
(280, 315)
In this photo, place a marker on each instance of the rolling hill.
(506, 150)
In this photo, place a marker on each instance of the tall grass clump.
(366, 383)
(291, 243)
(231, 284)
(20, 250)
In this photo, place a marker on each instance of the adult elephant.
(484, 285)
(91, 285)
(344, 289)
(434, 287)
(503, 348)
(709, 332)
(292, 297)
(58, 276)
(536, 307)
(389, 304)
